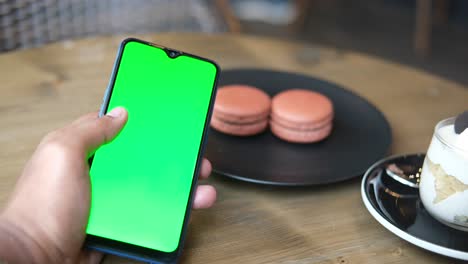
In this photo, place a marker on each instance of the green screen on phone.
(141, 181)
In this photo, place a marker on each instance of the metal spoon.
(406, 172)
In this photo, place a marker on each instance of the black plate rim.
(375, 212)
(272, 183)
(355, 174)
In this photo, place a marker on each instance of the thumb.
(96, 131)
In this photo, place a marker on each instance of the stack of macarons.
(296, 115)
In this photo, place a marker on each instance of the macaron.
(301, 116)
(241, 110)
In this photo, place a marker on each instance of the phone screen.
(141, 181)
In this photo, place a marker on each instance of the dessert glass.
(443, 186)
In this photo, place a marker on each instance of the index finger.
(205, 169)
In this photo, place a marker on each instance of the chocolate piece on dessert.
(461, 122)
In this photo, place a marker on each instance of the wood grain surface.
(47, 87)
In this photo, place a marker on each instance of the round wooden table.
(47, 87)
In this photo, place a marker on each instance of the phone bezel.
(133, 251)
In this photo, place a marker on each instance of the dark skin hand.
(45, 218)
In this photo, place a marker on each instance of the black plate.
(399, 209)
(361, 135)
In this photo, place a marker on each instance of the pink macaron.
(241, 110)
(301, 116)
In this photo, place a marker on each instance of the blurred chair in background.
(229, 16)
(427, 12)
(425, 18)
(29, 23)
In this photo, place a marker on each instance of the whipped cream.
(462, 141)
(454, 157)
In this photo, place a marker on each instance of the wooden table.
(47, 87)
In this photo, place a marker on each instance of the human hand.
(45, 219)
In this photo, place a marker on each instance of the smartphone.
(143, 181)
